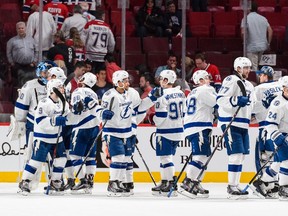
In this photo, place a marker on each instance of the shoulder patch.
(276, 103)
(228, 78)
(107, 93)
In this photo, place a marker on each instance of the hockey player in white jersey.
(198, 123)
(88, 114)
(229, 99)
(49, 116)
(169, 129)
(30, 94)
(117, 132)
(265, 92)
(276, 126)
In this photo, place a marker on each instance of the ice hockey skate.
(114, 190)
(70, 184)
(156, 191)
(56, 188)
(82, 187)
(165, 190)
(24, 188)
(283, 193)
(186, 189)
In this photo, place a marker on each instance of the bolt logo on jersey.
(126, 112)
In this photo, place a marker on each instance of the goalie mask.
(198, 75)
(42, 69)
(170, 75)
(119, 76)
(89, 79)
(54, 83)
(57, 72)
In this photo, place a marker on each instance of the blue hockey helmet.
(44, 66)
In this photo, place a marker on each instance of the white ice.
(141, 203)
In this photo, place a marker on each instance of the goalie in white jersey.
(168, 119)
(50, 116)
(198, 123)
(277, 130)
(117, 132)
(265, 92)
(230, 97)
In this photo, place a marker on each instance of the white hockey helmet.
(283, 81)
(89, 79)
(53, 83)
(57, 72)
(119, 76)
(200, 74)
(242, 62)
(170, 75)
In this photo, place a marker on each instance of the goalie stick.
(243, 91)
(95, 141)
(62, 98)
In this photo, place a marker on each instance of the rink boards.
(12, 157)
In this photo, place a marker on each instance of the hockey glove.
(78, 108)
(242, 101)
(266, 103)
(107, 115)
(155, 93)
(58, 121)
(89, 102)
(280, 141)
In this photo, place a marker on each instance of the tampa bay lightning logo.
(125, 113)
(276, 103)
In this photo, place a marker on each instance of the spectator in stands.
(89, 66)
(146, 85)
(58, 10)
(149, 20)
(48, 30)
(215, 77)
(259, 35)
(111, 66)
(101, 85)
(76, 43)
(172, 20)
(189, 67)
(98, 43)
(77, 20)
(22, 55)
(61, 48)
(171, 65)
(80, 69)
(26, 9)
(85, 9)
(199, 5)
(59, 60)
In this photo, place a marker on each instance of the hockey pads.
(155, 93)
(58, 121)
(266, 103)
(89, 103)
(280, 140)
(16, 129)
(242, 101)
(107, 114)
(78, 108)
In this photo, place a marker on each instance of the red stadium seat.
(210, 44)
(155, 60)
(225, 24)
(116, 21)
(6, 107)
(132, 60)
(6, 93)
(191, 45)
(133, 45)
(134, 78)
(200, 23)
(219, 59)
(278, 22)
(156, 45)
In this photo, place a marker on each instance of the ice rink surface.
(141, 203)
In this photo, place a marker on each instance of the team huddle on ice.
(62, 128)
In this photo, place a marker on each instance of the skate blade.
(112, 194)
(234, 197)
(55, 193)
(186, 193)
(281, 198)
(173, 194)
(82, 191)
(202, 196)
(255, 192)
(23, 193)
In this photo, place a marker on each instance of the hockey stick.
(95, 141)
(260, 170)
(243, 91)
(62, 98)
(179, 176)
(69, 78)
(147, 168)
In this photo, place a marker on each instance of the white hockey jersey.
(169, 114)
(277, 117)
(199, 109)
(87, 118)
(29, 96)
(99, 40)
(227, 102)
(46, 110)
(262, 92)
